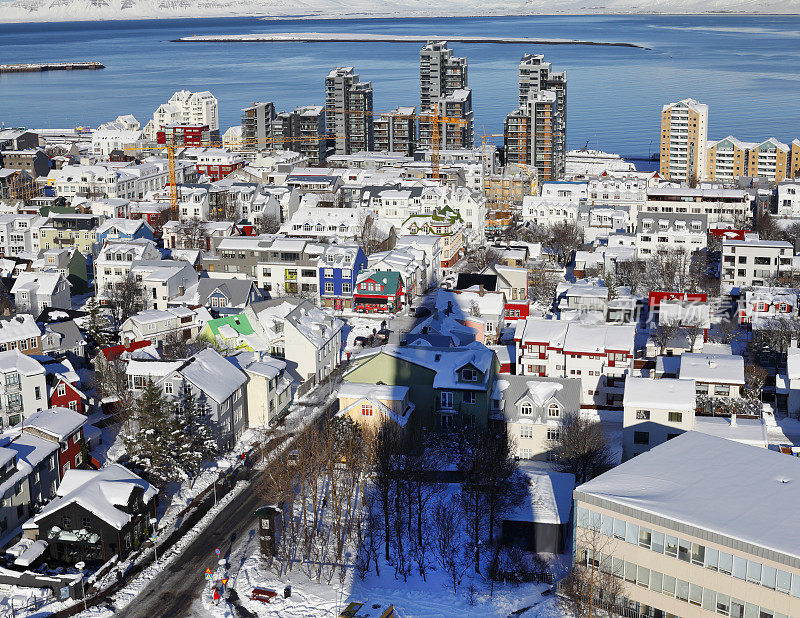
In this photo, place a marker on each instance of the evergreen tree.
(156, 439)
(96, 324)
(198, 441)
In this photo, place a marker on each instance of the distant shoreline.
(336, 37)
(49, 18)
(38, 67)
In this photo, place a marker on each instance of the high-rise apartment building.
(396, 131)
(794, 166)
(258, 126)
(440, 73)
(303, 131)
(444, 89)
(535, 133)
(348, 110)
(684, 137)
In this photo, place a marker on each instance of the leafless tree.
(726, 331)
(755, 376)
(368, 232)
(385, 446)
(693, 328)
(446, 529)
(766, 227)
(663, 333)
(582, 448)
(224, 208)
(565, 238)
(177, 347)
(267, 224)
(591, 587)
(542, 284)
(480, 258)
(192, 234)
(125, 298)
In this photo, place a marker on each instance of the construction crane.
(437, 119)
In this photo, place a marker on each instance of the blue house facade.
(123, 229)
(339, 267)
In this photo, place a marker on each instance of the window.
(631, 533)
(66, 520)
(675, 417)
(712, 558)
(645, 537)
(366, 409)
(725, 563)
(329, 287)
(671, 546)
(553, 434)
(739, 567)
(447, 400)
(86, 523)
(642, 415)
(470, 397)
(619, 529)
(658, 542)
(38, 392)
(168, 388)
(526, 431)
(722, 389)
(469, 375)
(684, 550)
(347, 288)
(698, 554)
(641, 437)
(553, 411)
(526, 409)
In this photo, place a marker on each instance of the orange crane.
(437, 119)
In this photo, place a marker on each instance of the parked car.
(383, 334)
(362, 341)
(421, 312)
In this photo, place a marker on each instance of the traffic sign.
(208, 576)
(224, 581)
(153, 537)
(217, 551)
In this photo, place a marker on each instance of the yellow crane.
(437, 119)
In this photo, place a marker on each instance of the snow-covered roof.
(20, 326)
(58, 422)
(550, 498)
(744, 493)
(213, 374)
(101, 492)
(713, 368)
(385, 392)
(42, 282)
(666, 393)
(14, 360)
(745, 430)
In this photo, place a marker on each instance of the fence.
(523, 577)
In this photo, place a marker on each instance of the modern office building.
(535, 133)
(348, 111)
(396, 131)
(698, 526)
(258, 126)
(684, 137)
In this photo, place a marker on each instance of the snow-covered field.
(79, 10)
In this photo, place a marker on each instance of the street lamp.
(153, 522)
(80, 566)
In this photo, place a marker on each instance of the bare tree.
(592, 587)
(694, 330)
(663, 333)
(125, 298)
(542, 284)
(480, 258)
(446, 529)
(224, 208)
(565, 238)
(755, 376)
(192, 234)
(726, 331)
(582, 448)
(177, 347)
(267, 223)
(368, 233)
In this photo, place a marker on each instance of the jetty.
(37, 67)
(344, 37)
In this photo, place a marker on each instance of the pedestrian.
(216, 596)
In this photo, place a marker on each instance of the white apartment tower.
(684, 138)
(186, 107)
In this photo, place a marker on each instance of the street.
(177, 587)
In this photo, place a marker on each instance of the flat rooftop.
(743, 493)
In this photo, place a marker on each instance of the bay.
(746, 68)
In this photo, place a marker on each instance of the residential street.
(179, 586)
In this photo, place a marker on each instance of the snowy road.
(174, 591)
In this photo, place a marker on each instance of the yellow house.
(795, 159)
(64, 231)
(372, 405)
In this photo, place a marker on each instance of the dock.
(38, 67)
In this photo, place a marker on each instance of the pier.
(38, 67)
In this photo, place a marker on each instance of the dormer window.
(526, 409)
(553, 411)
(469, 375)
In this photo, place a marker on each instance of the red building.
(185, 135)
(517, 310)
(379, 292)
(63, 394)
(655, 298)
(63, 427)
(218, 170)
